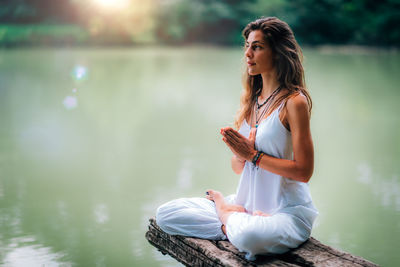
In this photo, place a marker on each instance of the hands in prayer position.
(242, 147)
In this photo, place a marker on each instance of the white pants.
(197, 217)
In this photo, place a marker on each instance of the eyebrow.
(254, 42)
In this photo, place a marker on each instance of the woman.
(272, 210)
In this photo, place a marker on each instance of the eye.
(256, 46)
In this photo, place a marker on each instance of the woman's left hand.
(240, 145)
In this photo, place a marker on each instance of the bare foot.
(260, 213)
(223, 209)
(214, 195)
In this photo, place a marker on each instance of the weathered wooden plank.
(269, 260)
(315, 253)
(199, 252)
(182, 253)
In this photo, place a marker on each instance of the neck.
(270, 83)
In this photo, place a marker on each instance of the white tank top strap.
(281, 105)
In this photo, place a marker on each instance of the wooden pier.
(200, 252)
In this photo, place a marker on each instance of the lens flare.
(70, 102)
(79, 73)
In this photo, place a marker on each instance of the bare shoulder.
(296, 110)
(297, 104)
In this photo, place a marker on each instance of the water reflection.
(185, 174)
(101, 213)
(334, 239)
(41, 138)
(387, 190)
(137, 244)
(25, 251)
(1, 189)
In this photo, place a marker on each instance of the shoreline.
(325, 49)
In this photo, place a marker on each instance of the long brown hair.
(288, 59)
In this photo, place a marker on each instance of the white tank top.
(262, 190)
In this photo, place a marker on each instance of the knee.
(163, 215)
(254, 241)
(170, 215)
(250, 239)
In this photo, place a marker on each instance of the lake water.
(93, 140)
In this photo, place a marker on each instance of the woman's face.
(258, 54)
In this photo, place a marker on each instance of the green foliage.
(364, 22)
(187, 21)
(314, 22)
(43, 34)
(346, 22)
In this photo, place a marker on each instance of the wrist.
(259, 159)
(252, 155)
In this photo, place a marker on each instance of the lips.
(250, 63)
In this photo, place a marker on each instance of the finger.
(238, 139)
(232, 145)
(225, 128)
(237, 148)
(227, 139)
(235, 133)
(232, 136)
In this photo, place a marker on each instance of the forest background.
(183, 22)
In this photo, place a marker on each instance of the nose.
(248, 53)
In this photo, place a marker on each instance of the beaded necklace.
(257, 106)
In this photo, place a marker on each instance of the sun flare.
(112, 4)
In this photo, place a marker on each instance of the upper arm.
(298, 117)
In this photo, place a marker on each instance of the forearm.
(287, 168)
(237, 164)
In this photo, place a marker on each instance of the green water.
(93, 140)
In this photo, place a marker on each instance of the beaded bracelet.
(259, 159)
(256, 157)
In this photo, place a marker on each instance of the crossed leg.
(224, 209)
